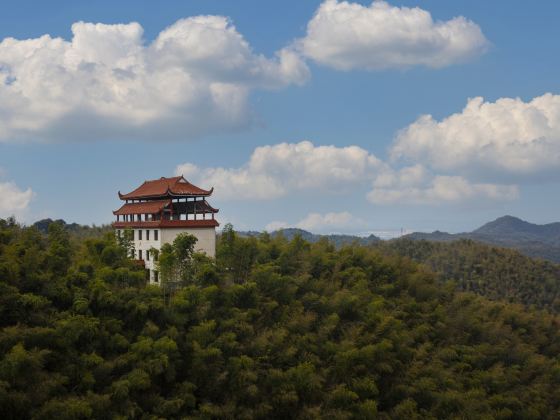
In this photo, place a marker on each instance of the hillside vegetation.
(271, 329)
(496, 273)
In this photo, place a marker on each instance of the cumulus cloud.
(346, 36)
(13, 200)
(106, 82)
(508, 137)
(276, 225)
(274, 171)
(317, 222)
(277, 170)
(414, 185)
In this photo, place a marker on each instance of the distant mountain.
(539, 241)
(75, 229)
(434, 236)
(43, 225)
(509, 227)
(336, 239)
(291, 233)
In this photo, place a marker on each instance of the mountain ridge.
(533, 240)
(336, 239)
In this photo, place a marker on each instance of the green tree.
(175, 263)
(126, 242)
(60, 252)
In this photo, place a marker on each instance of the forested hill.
(77, 230)
(338, 240)
(515, 228)
(496, 273)
(270, 329)
(539, 241)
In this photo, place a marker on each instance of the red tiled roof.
(165, 187)
(143, 208)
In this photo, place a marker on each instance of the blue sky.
(374, 164)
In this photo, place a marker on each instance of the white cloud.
(274, 171)
(505, 138)
(276, 225)
(411, 176)
(278, 170)
(317, 222)
(106, 82)
(13, 201)
(346, 36)
(414, 185)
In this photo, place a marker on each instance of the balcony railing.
(166, 224)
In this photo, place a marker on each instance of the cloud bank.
(414, 185)
(508, 138)
(275, 171)
(106, 82)
(317, 222)
(13, 200)
(346, 36)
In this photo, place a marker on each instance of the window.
(139, 254)
(156, 277)
(147, 234)
(119, 233)
(139, 234)
(156, 232)
(147, 255)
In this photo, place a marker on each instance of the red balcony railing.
(166, 224)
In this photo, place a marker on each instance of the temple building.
(158, 210)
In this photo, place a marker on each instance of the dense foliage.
(271, 329)
(496, 273)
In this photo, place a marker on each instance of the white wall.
(206, 238)
(206, 242)
(145, 245)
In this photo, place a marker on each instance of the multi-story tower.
(158, 210)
